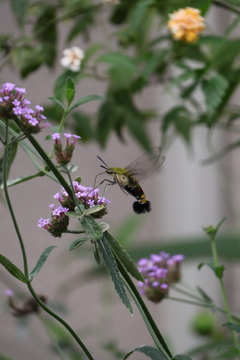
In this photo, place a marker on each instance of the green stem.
(47, 160)
(58, 318)
(60, 128)
(73, 232)
(223, 291)
(152, 327)
(5, 161)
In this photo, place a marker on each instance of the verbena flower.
(186, 24)
(87, 196)
(159, 271)
(64, 156)
(13, 103)
(72, 58)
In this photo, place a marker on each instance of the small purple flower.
(8, 293)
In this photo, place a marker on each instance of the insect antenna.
(107, 167)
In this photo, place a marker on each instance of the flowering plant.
(185, 56)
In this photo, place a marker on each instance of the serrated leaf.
(179, 118)
(149, 351)
(26, 59)
(123, 256)
(85, 100)
(20, 8)
(57, 102)
(41, 261)
(214, 89)
(181, 357)
(93, 209)
(69, 90)
(13, 269)
(233, 327)
(91, 227)
(112, 267)
(139, 13)
(138, 130)
(59, 86)
(105, 122)
(78, 242)
(96, 253)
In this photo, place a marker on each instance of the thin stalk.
(152, 327)
(184, 292)
(5, 161)
(207, 305)
(223, 291)
(58, 318)
(73, 232)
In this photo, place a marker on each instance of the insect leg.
(96, 179)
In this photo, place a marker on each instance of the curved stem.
(58, 318)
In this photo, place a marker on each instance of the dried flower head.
(186, 24)
(159, 272)
(72, 58)
(13, 103)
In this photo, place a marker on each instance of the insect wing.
(146, 165)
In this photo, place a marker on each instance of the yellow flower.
(186, 24)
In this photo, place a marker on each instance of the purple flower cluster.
(159, 272)
(87, 196)
(13, 103)
(59, 221)
(64, 156)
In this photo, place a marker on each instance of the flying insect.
(128, 178)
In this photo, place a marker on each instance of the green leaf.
(11, 154)
(204, 295)
(69, 90)
(93, 209)
(91, 227)
(13, 269)
(233, 327)
(123, 256)
(149, 351)
(181, 357)
(26, 59)
(96, 253)
(60, 84)
(138, 130)
(46, 31)
(112, 267)
(139, 13)
(105, 122)
(85, 100)
(82, 126)
(41, 261)
(104, 226)
(20, 8)
(78, 242)
(218, 270)
(179, 118)
(57, 102)
(214, 89)
(74, 215)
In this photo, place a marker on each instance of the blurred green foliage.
(137, 51)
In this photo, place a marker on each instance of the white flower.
(72, 58)
(110, 1)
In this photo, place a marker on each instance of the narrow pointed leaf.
(85, 100)
(11, 154)
(91, 227)
(112, 267)
(233, 327)
(93, 209)
(69, 90)
(78, 242)
(96, 254)
(214, 89)
(41, 261)
(123, 256)
(149, 351)
(204, 295)
(13, 269)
